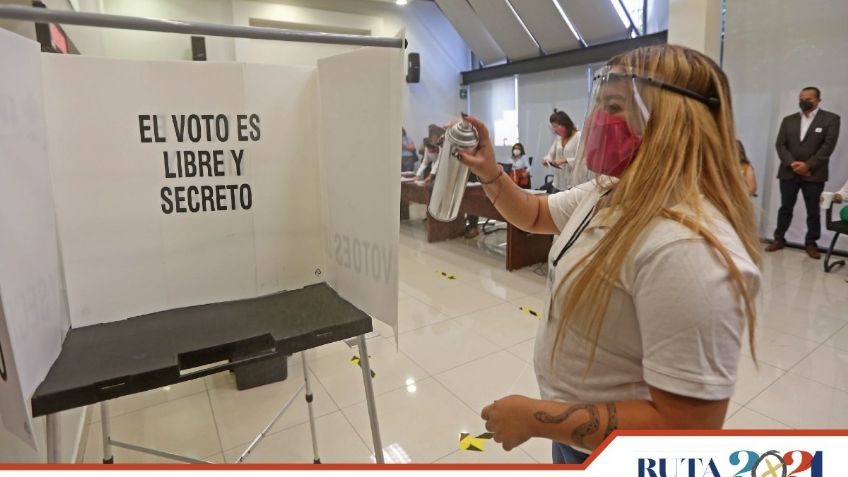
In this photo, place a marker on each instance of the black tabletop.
(115, 359)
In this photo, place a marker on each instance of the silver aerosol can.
(452, 175)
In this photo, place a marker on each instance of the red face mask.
(610, 144)
(560, 131)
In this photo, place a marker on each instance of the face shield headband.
(613, 129)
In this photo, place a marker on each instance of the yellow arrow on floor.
(358, 362)
(529, 311)
(469, 443)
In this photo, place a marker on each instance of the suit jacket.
(815, 149)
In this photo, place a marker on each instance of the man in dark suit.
(804, 144)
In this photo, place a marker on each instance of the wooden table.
(522, 248)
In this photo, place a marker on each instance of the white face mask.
(516, 152)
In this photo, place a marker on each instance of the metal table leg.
(369, 396)
(53, 439)
(316, 458)
(106, 431)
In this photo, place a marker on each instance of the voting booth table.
(163, 221)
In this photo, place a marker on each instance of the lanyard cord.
(578, 231)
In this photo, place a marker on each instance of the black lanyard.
(579, 230)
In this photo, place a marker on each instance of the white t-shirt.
(520, 162)
(843, 192)
(674, 321)
(806, 121)
(430, 157)
(567, 152)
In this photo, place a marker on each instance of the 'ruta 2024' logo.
(741, 463)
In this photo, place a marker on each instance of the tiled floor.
(464, 343)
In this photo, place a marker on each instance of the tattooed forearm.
(612, 419)
(580, 432)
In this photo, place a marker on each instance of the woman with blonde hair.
(654, 275)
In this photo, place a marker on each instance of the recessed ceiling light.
(401, 2)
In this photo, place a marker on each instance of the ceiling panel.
(505, 28)
(546, 24)
(471, 29)
(595, 20)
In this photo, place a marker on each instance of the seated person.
(520, 170)
(430, 155)
(408, 158)
(842, 195)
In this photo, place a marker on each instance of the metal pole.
(158, 453)
(265, 431)
(42, 15)
(369, 396)
(106, 430)
(316, 459)
(53, 440)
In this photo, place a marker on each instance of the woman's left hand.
(510, 420)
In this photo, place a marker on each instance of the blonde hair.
(688, 154)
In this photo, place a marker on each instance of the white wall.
(443, 53)
(770, 53)
(141, 45)
(487, 101)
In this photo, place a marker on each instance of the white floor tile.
(539, 450)
(732, 408)
(779, 349)
(524, 350)
(752, 380)
(481, 382)
(459, 300)
(184, 426)
(505, 325)
(413, 314)
(338, 443)
(343, 380)
(840, 339)
(745, 418)
(241, 415)
(826, 365)
(803, 404)
(445, 345)
(425, 422)
(134, 402)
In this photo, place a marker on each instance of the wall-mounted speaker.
(198, 48)
(413, 69)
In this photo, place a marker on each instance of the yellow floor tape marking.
(530, 312)
(358, 362)
(470, 443)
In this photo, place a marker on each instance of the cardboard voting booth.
(136, 187)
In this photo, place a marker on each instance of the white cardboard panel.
(124, 255)
(31, 304)
(291, 179)
(359, 165)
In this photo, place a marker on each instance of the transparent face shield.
(618, 114)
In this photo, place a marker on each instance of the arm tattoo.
(580, 432)
(612, 419)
